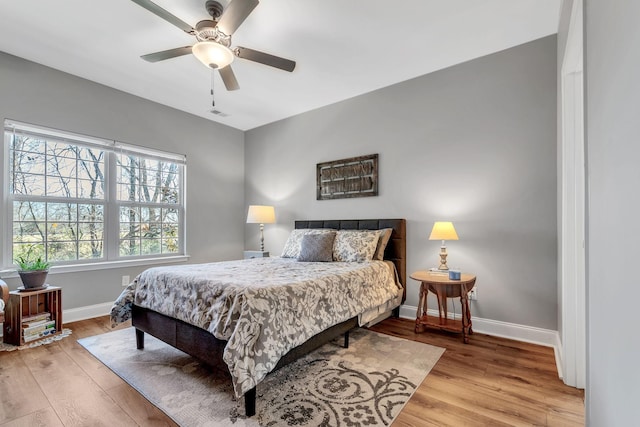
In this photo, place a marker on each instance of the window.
(148, 195)
(75, 199)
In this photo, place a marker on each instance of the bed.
(235, 334)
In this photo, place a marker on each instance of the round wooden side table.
(443, 287)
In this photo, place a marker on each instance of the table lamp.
(443, 230)
(259, 214)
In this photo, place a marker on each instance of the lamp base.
(443, 259)
(262, 237)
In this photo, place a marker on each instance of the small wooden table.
(444, 288)
(32, 304)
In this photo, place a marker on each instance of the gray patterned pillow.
(355, 245)
(317, 247)
(294, 242)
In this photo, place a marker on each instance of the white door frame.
(573, 192)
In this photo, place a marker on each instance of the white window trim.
(110, 260)
(103, 265)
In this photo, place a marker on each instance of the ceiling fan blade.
(265, 58)
(166, 54)
(235, 14)
(162, 13)
(229, 78)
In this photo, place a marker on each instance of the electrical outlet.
(473, 294)
(125, 280)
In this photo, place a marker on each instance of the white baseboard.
(88, 312)
(513, 331)
(545, 337)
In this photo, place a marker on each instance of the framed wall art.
(347, 178)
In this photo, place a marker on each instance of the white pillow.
(294, 242)
(355, 245)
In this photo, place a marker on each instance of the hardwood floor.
(490, 381)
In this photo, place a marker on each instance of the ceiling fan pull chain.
(213, 100)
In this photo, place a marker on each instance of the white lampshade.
(443, 230)
(212, 54)
(260, 214)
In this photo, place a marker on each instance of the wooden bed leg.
(139, 339)
(346, 339)
(396, 312)
(250, 402)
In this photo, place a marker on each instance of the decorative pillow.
(355, 245)
(317, 247)
(385, 235)
(294, 242)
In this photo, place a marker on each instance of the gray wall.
(36, 94)
(474, 144)
(613, 129)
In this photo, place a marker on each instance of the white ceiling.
(342, 48)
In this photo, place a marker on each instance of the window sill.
(74, 268)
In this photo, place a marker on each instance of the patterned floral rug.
(364, 385)
(9, 347)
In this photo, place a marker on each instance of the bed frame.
(202, 345)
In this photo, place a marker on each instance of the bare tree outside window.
(58, 192)
(148, 188)
(59, 199)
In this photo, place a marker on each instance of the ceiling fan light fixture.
(212, 54)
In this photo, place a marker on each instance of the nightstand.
(255, 254)
(443, 287)
(33, 315)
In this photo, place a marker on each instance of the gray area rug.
(364, 385)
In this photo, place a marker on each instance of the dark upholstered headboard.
(396, 250)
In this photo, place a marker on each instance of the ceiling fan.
(213, 46)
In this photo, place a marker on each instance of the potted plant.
(33, 273)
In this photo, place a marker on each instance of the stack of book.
(38, 326)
